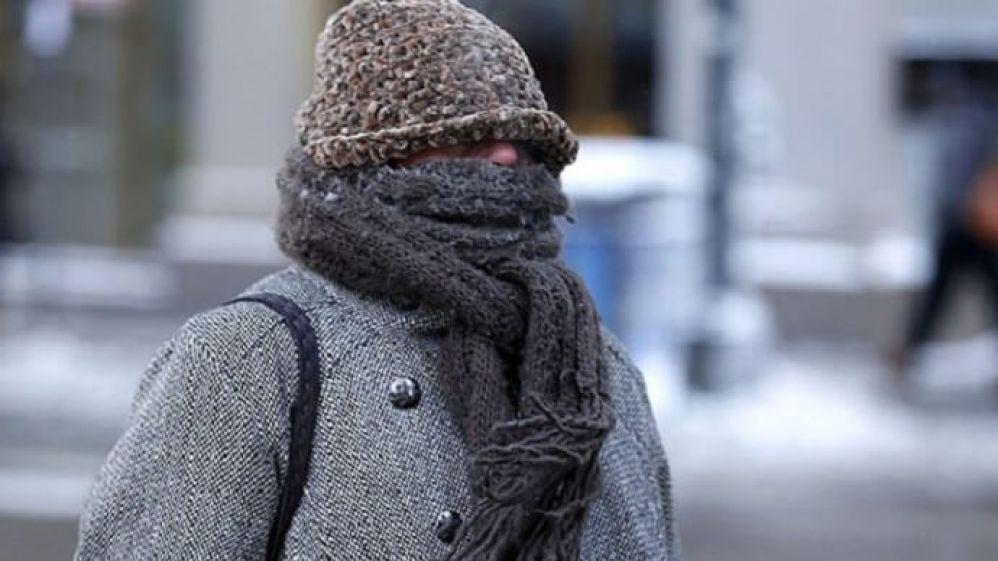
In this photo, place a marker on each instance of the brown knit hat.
(396, 77)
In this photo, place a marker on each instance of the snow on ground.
(822, 459)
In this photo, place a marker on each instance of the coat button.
(448, 523)
(404, 393)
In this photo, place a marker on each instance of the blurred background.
(772, 201)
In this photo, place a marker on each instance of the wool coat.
(197, 474)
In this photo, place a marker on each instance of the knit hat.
(396, 77)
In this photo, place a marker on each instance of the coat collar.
(388, 312)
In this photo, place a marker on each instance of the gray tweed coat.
(197, 474)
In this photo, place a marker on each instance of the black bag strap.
(303, 413)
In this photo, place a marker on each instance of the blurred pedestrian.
(7, 177)
(472, 406)
(967, 214)
(7, 173)
(7, 170)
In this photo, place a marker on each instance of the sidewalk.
(820, 462)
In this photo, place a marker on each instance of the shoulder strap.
(303, 414)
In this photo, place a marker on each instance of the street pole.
(720, 145)
(720, 139)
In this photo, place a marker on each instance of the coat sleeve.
(195, 474)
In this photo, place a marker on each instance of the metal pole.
(720, 141)
(721, 153)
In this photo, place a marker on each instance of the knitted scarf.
(522, 365)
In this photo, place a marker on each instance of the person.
(8, 177)
(472, 405)
(968, 158)
(8, 174)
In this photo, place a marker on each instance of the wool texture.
(523, 365)
(393, 78)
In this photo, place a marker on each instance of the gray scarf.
(523, 363)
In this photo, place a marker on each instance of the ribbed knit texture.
(523, 361)
(393, 78)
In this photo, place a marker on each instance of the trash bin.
(639, 242)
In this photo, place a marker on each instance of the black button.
(448, 523)
(404, 393)
(404, 302)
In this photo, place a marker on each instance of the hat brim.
(547, 132)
